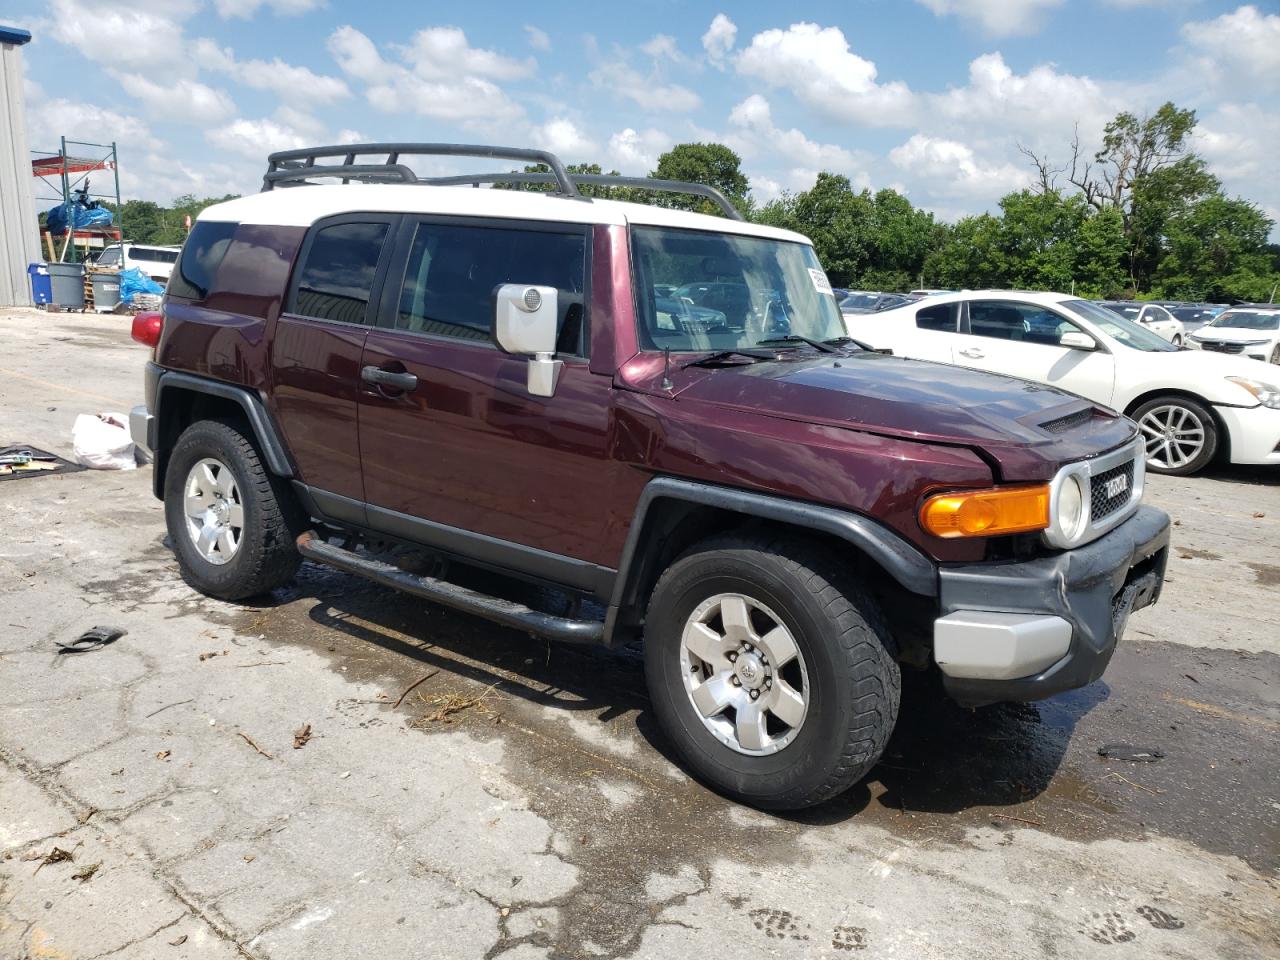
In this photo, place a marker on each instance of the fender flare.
(901, 560)
(260, 421)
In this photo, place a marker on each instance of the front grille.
(1219, 347)
(1069, 422)
(1104, 501)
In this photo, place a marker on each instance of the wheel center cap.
(750, 670)
(221, 511)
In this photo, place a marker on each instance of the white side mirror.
(1077, 340)
(524, 323)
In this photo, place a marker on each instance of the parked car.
(1193, 315)
(155, 261)
(1153, 316)
(787, 520)
(1250, 330)
(865, 301)
(928, 291)
(1189, 406)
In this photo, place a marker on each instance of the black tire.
(1204, 421)
(1275, 354)
(853, 683)
(1177, 340)
(267, 556)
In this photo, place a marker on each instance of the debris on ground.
(85, 874)
(163, 754)
(249, 740)
(450, 704)
(56, 855)
(179, 942)
(301, 736)
(92, 639)
(413, 686)
(213, 653)
(1125, 751)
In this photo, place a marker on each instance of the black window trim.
(389, 305)
(385, 258)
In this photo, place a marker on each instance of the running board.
(505, 612)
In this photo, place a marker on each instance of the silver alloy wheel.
(214, 510)
(1174, 435)
(744, 674)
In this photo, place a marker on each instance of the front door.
(456, 452)
(1023, 340)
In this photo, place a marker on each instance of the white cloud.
(538, 39)
(178, 99)
(563, 137)
(1241, 142)
(952, 169)
(254, 139)
(663, 46)
(816, 65)
(292, 84)
(719, 39)
(443, 89)
(636, 152)
(754, 129)
(246, 9)
(648, 91)
(997, 18)
(134, 35)
(1240, 49)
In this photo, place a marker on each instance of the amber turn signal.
(987, 513)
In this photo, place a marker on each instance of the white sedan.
(1188, 404)
(1252, 331)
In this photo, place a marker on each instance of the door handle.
(388, 378)
(973, 353)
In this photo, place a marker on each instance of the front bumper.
(1059, 617)
(1253, 433)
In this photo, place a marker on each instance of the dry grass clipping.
(448, 705)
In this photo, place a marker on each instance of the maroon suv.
(649, 408)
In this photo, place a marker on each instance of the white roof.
(1022, 296)
(301, 206)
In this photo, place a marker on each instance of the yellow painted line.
(58, 386)
(1213, 710)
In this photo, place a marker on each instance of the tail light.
(147, 327)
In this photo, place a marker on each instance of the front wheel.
(1177, 340)
(769, 670)
(1180, 434)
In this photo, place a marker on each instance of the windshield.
(1269, 320)
(860, 301)
(1123, 331)
(718, 291)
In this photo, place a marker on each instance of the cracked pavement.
(520, 804)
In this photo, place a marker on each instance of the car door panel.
(988, 344)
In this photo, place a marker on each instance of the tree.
(713, 164)
(1217, 250)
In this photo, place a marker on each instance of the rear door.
(316, 349)
(456, 452)
(1022, 340)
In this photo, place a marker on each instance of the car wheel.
(769, 670)
(1180, 434)
(1275, 354)
(232, 524)
(1177, 340)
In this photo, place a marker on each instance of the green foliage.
(1216, 249)
(711, 163)
(147, 222)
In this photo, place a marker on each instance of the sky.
(933, 98)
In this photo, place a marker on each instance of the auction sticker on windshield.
(820, 281)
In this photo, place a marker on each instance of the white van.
(153, 260)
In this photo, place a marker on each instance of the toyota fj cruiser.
(647, 408)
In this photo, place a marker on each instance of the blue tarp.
(83, 217)
(133, 282)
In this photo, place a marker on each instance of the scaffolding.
(62, 174)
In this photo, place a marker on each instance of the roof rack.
(289, 168)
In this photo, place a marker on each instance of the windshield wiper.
(721, 356)
(796, 338)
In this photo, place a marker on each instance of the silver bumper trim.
(140, 428)
(981, 645)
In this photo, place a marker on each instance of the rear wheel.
(232, 523)
(770, 671)
(1180, 434)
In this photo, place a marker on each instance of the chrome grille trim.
(1133, 452)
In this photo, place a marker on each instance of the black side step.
(505, 612)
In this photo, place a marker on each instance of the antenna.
(666, 369)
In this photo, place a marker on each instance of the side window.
(1023, 322)
(337, 271)
(110, 257)
(198, 262)
(453, 270)
(941, 317)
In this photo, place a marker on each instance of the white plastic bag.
(102, 442)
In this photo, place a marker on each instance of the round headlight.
(1071, 507)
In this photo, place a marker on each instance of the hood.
(1233, 334)
(1027, 428)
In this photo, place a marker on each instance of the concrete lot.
(520, 804)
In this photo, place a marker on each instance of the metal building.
(19, 229)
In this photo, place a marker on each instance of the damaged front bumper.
(1025, 631)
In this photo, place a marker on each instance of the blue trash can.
(41, 283)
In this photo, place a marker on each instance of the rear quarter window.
(192, 278)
